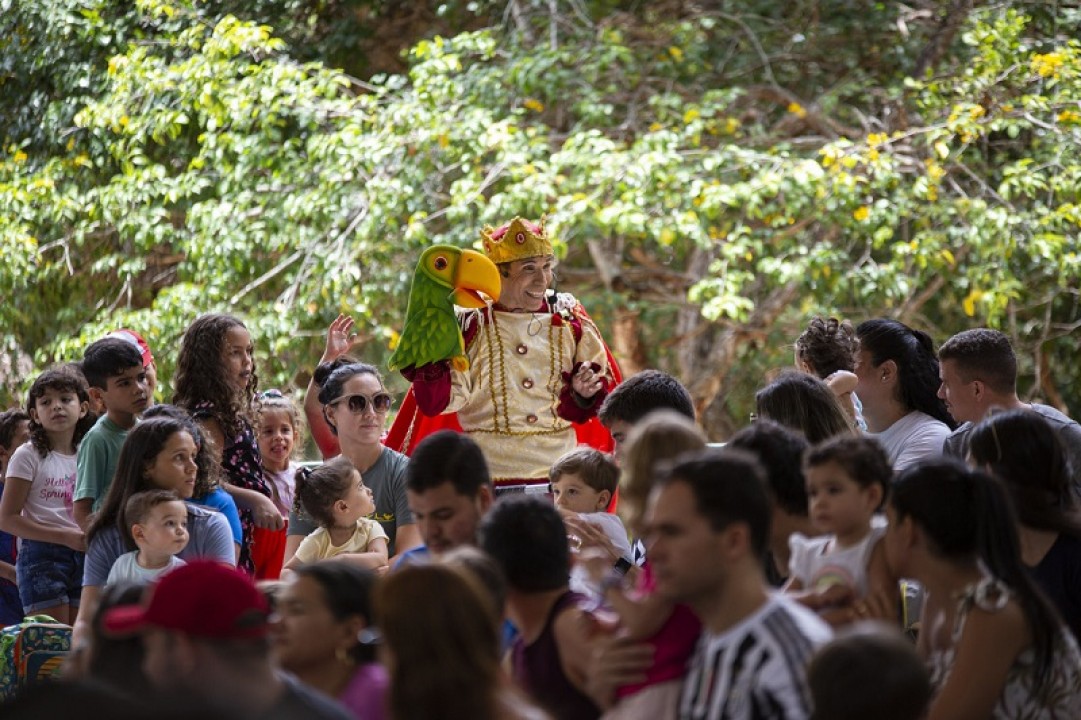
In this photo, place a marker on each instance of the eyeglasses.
(358, 404)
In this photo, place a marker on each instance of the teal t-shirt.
(95, 463)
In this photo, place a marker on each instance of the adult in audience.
(805, 403)
(442, 649)
(780, 452)
(636, 397)
(526, 537)
(449, 491)
(204, 628)
(355, 406)
(323, 635)
(1025, 452)
(898, 385)
(978, 370)
(708, 528)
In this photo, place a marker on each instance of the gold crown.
(517, 240)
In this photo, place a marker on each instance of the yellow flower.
(534, 105)
(934, 171)
(969, 303)
(20, 157)
(676, 53)
(876, 139)
(796, 109)
(690, 116)
(1047, 65)
(861, 213)
(655, 127)
(1068, 116)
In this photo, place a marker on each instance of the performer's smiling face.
(525, 282)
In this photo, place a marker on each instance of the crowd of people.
(895, 535)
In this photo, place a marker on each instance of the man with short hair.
(708, 528)
(526, 537)
(978, 370)
(449, 491)
(638, 396)
(204, 628)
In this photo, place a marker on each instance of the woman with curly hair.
(215, 381)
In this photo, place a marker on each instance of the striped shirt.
(756, 670)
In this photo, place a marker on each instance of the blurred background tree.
(716, 173)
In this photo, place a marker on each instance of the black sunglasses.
(358, 403)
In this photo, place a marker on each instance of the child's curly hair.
(64, 378)
(319, 488)
(828, 345)
(199, 375)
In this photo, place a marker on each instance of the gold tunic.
(508, 398)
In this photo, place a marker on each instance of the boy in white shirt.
(583, 482)
(159, 526)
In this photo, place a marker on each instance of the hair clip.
(369, 636)
(273, 393)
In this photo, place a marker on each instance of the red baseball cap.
(137, 340)
(202, 598)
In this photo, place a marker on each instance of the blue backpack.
(37, 646)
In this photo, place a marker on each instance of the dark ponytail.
(917, 366)
(967, 517)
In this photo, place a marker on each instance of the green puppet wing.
(445, 276)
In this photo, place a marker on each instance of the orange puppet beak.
(476, 276)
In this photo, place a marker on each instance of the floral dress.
(242, 466)
(1019, 700)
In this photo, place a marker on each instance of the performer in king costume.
(532, 369)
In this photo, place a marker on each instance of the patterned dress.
(1019, 701)
(241, 466)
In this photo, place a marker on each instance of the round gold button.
(531, 419)
(521, 349)
(527, 383)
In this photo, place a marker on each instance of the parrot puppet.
(445, 276)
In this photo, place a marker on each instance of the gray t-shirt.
(1069, 434)
(209, 537)
(386, 478)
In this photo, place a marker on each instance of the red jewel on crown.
(520, 238)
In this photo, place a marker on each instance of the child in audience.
(36, 506)
(14, 431)
(159, 527)
(996, 646)
(215, 381)
(847, 481)
(334, 496)
(114, 371)
(278, 428)
(583, 482)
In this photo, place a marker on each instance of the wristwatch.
(622, 566)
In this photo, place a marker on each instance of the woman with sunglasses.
(354, 409)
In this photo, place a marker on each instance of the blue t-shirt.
(218, 499)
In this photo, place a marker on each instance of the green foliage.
(730, 173)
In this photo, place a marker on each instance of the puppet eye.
(440, 263)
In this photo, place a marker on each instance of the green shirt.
(96, 461)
